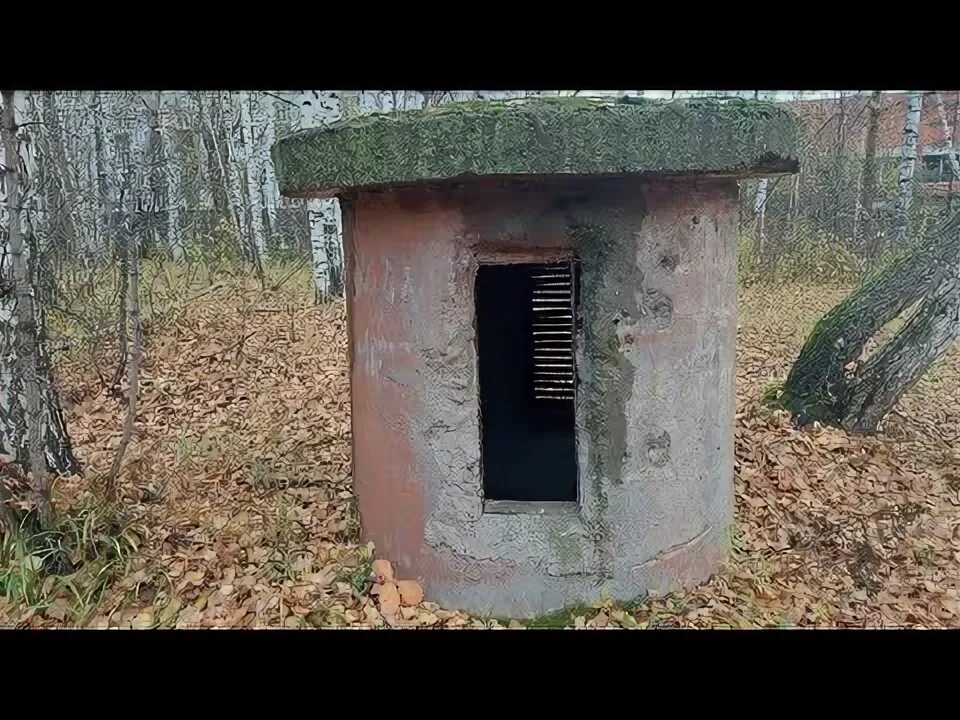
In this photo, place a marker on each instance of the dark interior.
(526, 403)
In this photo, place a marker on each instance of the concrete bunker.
(505, 489)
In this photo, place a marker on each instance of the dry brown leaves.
(240, 468)
(832, 530)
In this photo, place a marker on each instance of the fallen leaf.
(170, 611)
(410, 592)
(58, 609)
(428, 619)
(782, 542)
(143, 620)
(189, 617)
(321, 580)
(383, 571)
(389, 598)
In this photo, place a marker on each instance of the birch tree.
(152, 202)
(268, 177)
(760, 209)
(188, 171)
(216, 170)
(32, 431)
(58, 183)
(166, 177)
(868, 184)
(318, 109)
(234, 161)
(100, 160)
(145, 188)
(254, 159)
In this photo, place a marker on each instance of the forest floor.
(238, 509)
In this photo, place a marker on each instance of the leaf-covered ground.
(237, 488)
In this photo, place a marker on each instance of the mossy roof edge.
(573, 136)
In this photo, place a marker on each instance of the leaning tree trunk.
(879, 384)
(817, 388)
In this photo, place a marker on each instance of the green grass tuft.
(71, 566)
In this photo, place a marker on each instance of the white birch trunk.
(12, 432)
(318, 109)
(101, 152)
(153, 191)
(795, 196)
(268, 178)
(20, 405)
(31, 422)
(77, 131)
(193, 180)
(174, 210)
(760, 208)
(235, 171)
(219, 149)
(253, 160)
(908, 163)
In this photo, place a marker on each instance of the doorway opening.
(526, 333)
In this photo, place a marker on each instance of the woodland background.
(174, 406)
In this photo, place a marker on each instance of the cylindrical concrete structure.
(655, 242)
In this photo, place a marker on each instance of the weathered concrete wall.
(654, 410)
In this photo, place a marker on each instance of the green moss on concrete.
(608, 265)
(538, 137)
(560, 619)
